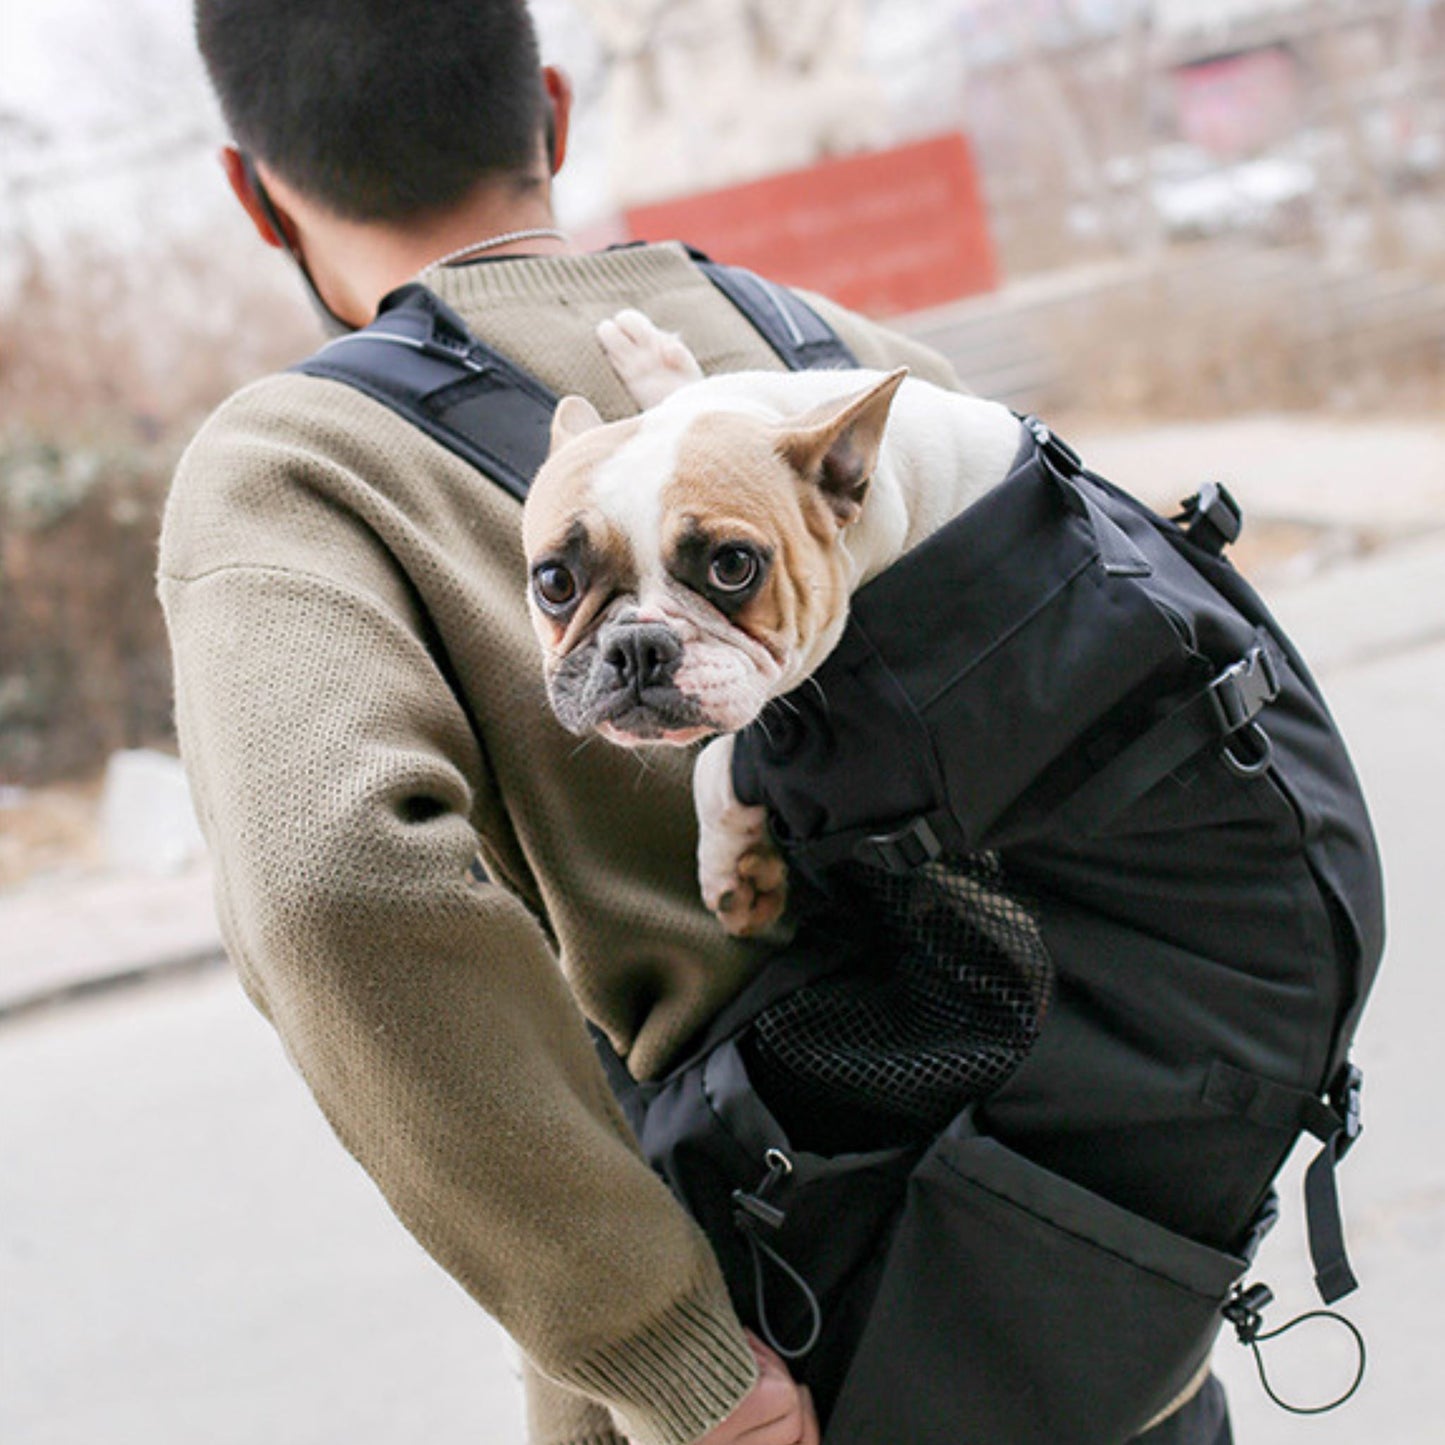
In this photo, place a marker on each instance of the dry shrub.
(83, 658)
(106, 367)
(95, 344)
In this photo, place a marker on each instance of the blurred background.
(1205, 238)
(1142, 211)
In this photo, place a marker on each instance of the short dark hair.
(379, 110)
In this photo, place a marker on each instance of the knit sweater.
(361, 710)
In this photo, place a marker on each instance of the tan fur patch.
(732, 480)
(552, 520)
(552, 500)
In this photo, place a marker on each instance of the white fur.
(627, 489)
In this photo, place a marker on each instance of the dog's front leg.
(743, 876)
(651, 363)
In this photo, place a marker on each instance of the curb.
(27, 1004)
(67, 940)
(1373, 607)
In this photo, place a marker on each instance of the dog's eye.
(733, 568)
(554, 585)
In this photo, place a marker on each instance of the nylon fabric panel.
(1027, 630)
(1016, 1307)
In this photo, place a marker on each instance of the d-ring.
(1250, 767)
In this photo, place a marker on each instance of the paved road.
(186, 1258)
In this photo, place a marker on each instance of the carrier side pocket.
(1017, 1308)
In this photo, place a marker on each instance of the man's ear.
(574, 415)
(239, 175)
(835, 446)
(558, 87)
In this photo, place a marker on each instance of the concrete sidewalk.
(64, 939)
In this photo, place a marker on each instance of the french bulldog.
(691, 563)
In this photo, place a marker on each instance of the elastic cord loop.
(1249, 1335)
(815, 1311)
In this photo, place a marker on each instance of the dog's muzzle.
(626, 679)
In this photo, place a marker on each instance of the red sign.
(883, 233)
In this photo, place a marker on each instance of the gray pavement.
(186, 1255)
(65, 938)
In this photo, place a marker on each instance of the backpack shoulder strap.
(787, 323)
(419, 358)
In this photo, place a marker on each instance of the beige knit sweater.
(361, 709)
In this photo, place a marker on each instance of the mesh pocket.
(950, 1010)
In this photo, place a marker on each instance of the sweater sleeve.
(559, 1416)
(335, 774)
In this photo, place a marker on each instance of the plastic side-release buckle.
(1211, 518)
(1347, 1097)
(902, 851)
(1240, 692)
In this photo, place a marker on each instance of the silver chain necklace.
(532, 233)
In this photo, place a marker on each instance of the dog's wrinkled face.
(686, 565)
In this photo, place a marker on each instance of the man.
(362, 714)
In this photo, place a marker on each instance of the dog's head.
(686, 564)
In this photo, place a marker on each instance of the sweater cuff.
(685, 1373)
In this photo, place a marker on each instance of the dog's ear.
(574, 415)
(835, 446)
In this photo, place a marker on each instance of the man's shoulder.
(274, 455)
(272, 412)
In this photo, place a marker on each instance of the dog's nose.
(643, 656)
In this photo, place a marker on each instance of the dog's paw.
(651, 363)
(749, 897)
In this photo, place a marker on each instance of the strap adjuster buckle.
(1211, 518)
(1240, 692)
(1347, 1099)
(901, 852)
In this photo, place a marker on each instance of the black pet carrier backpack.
(1092, 907)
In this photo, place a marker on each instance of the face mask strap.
(333, 324)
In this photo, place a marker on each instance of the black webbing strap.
(1221, 713)
(900, 849)
(419, 359)
(788, 324)
(1333, 1276)
(1335, 1121)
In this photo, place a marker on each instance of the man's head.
(373, 136)
(379, 110)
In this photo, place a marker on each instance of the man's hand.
(776, 1411)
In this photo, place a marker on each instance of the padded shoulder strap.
(788, 324)
(419, 358)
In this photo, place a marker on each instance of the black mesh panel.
(951, 1008)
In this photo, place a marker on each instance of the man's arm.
(337, 777)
